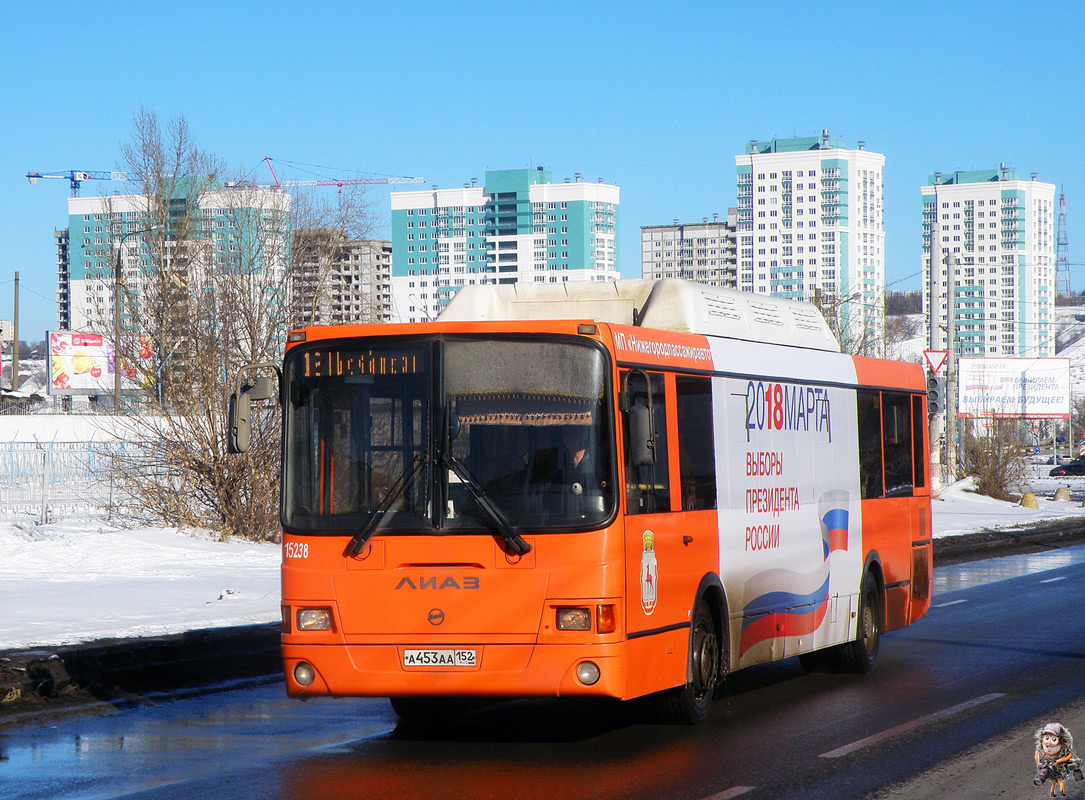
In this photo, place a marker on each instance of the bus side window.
(647, 488)
(919, 457)
(696, 448)
(897, 443)
(870, 443)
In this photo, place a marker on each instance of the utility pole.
(934, 333)
(15, 340)
(951, 375)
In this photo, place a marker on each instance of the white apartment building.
(519, 226)
(994, 267)
(705, 251)
(811, 227)
(240, 229)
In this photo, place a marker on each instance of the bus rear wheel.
(690, 704)
(859, 655)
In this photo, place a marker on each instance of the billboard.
(80, 363)
(1032, 388)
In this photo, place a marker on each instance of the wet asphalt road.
(1002, 649)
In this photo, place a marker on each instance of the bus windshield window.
(371, 429)
(357, 422)
(529, 421)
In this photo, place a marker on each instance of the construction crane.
(340, 182)
(77, 176)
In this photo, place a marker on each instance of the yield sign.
(936, 358)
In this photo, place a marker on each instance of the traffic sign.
(936, 358)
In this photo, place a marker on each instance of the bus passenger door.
(667, 549)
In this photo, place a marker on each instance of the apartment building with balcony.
(705, 251)
(993, 236)
(519, 226)
(811, 227)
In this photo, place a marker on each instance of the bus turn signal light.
(605, 619)
(572, 619)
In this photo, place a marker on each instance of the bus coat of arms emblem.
(649, 574)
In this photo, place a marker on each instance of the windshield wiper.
(357, 543)
(515, 542)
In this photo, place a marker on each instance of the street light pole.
(117, 316)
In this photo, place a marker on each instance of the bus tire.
(690, 704)
(813, 661)
(859, 655)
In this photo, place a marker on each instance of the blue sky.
(656, 98)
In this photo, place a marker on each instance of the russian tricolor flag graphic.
(790, 603)
(833, 511)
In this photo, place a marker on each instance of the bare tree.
(991, 453)
(846, 319)
(213, 292)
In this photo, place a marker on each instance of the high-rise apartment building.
(518, 227)
(703, 251)
(994, 241)
(341, 282)
(810, 227)
(246, 230)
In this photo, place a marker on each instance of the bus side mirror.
(239, 412)
(642, 446)
(239, 426)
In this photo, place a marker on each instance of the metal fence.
(53, 480)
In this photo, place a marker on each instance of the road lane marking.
(907, 726)
(1053, 580)
(734, 791)
(949, 603)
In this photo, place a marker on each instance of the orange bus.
(613, 489)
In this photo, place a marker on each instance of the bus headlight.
(314, 619)
(572, 619)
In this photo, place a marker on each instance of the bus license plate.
(440, 658)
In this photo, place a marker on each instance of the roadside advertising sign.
(79, 363)
(1023, 388)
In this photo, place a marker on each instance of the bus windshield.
(423, 435)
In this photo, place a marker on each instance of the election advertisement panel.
(790, 526)
(1026, 388)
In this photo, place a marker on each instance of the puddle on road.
(169, 742)
(976, 573)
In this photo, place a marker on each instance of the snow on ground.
(958, 509)
(85, 579)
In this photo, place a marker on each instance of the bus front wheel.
(689, 704)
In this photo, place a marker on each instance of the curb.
(72, 675)
(994, 542)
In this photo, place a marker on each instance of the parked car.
(1070, 468)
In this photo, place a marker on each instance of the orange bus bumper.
(507, 670)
